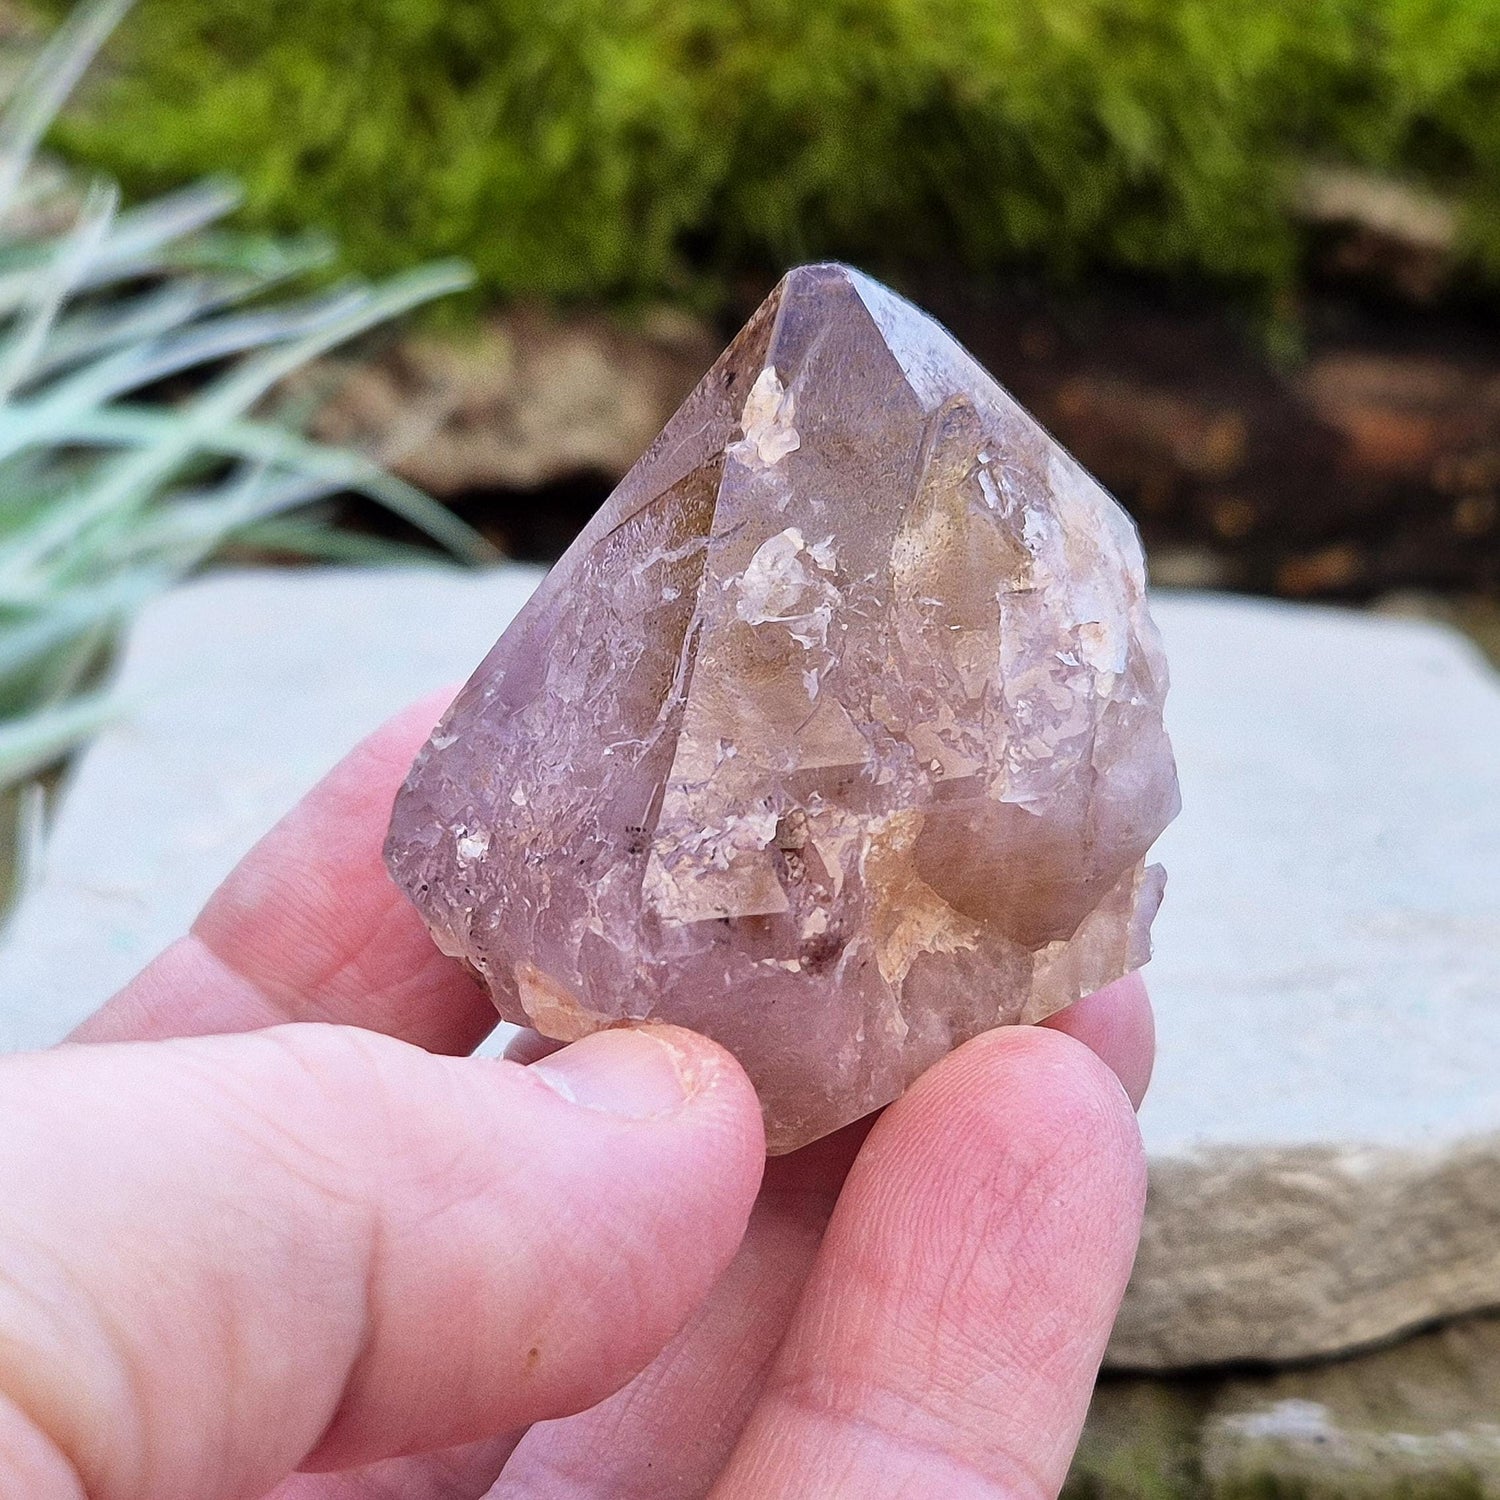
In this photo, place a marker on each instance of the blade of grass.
(95, 386)
(115, 496)
(47, 84)
(265, 443)
(22, 349)
(78, 336)
(140, 240)
(215, 286)
(25, 646)
(316, 541)
(32, 743)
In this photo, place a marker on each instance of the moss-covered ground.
(621, 148)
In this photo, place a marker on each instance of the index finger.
(310, 927)
(949, 1336)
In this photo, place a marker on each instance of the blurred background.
(1242, 257)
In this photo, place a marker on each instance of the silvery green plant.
(137, 348)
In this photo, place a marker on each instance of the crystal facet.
(837, 735)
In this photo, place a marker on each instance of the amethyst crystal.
(837, 735)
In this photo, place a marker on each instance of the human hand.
(272, 1232)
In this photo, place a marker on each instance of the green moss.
(575, 148)
(1140, 1442)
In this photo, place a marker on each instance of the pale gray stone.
(241, 690)
(1325, 1122)
(1324, 1125)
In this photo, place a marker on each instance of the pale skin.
(265, 1228)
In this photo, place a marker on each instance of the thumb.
(226, 1257)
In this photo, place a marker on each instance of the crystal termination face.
(837, 734)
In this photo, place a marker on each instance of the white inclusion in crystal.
(1033, 532)
(778, 587)
(742, 833)
(772, 585)
(990, 489)
(822, 554)
(471, 846)
(672, 555)
(1102, 646)
(767, 423)
(811, 630)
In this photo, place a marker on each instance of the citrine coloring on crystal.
(837, 735)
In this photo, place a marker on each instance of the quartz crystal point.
(837, 734)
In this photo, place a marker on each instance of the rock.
(1415, 1419)
(240, 691)
(527, 398)
(836, 736)
(1377, 229)
(1325, 1120)
(1477, 616)
(1324, 1124)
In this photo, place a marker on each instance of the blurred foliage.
(575, 148)
(137, 349)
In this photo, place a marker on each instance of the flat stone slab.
(1324, 1126)
(243, 689)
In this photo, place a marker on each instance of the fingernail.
(632, 1073)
